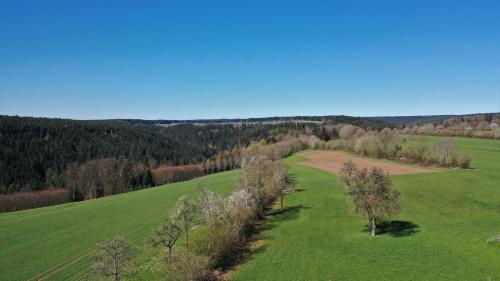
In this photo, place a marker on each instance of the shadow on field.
(276, 216)
(287, 213)
(395, 228)
(292, 178)
(257, 243)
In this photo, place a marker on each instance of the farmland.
(331, 161)
(441, 233)
(54, 243)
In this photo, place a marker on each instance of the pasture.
(439, 235)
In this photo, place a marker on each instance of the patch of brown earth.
(332, 161)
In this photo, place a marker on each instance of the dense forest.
(36, 151)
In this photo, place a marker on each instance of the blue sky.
(213, 59)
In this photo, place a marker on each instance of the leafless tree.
(280, 183)
(167, 235)
(111, 257)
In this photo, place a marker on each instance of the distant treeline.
(102, 177)
(36, 152)
(484, 126)
(376, 123)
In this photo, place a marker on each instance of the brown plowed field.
(332, 161)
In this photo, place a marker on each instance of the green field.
(54, 243)
(446, 218)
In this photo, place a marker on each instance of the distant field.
(332, 161)
(440, 234)
(55, 243)
(241, 122)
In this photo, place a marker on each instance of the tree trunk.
(169, 253)
(374, 228)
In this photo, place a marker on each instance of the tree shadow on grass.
(395, 228)
(276, 216)
(257, 242)
(292, 178)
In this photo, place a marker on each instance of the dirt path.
(332, 161)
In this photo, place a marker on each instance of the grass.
(439, 235)
(55, 243)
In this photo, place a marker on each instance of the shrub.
(347, 131)
(313, 142)
(222, 243)
(464, 161)
(367, 146)
(186, 266)
(413, 150)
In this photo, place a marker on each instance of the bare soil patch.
(332, 161)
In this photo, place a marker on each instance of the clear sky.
(212, 59)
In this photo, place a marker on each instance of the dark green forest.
(35, 151)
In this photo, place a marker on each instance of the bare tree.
(166, 236)
(372, 195)
(111, 257)
(185, 216)
(347, 172)
(281, 186)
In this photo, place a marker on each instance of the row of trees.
(216, 228)
(28, 200)
(170, 174)
(213, 228)
(275, 148)
(473, 126)
(389, 144)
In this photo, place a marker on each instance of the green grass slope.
(446, 218)
(55, 243)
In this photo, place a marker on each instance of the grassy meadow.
(440, 234)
